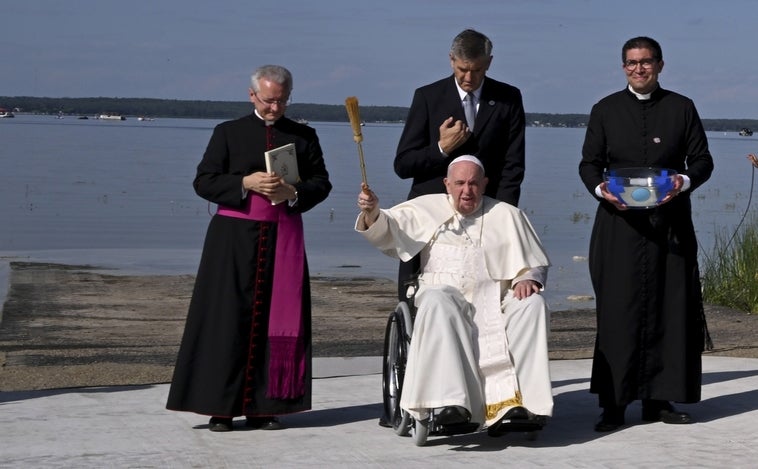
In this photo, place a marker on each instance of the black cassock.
(222, 366)
(643, 262)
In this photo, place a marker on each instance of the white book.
(283, 161)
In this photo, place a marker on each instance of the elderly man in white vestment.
(479, 346)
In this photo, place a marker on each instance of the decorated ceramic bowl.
(640, 187)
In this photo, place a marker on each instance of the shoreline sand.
(66, 326)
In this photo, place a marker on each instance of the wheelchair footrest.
(456, 429)
(516, 425)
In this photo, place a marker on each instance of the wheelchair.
(397, 340)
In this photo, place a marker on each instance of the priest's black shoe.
(611, 419)
(220, 424)
(453, 415)
(264, 423)
(663, 411)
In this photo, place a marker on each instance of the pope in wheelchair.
(478, 355)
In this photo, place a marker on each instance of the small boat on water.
(6, 113)
(145, 119)
(745, 132)
(111, 117)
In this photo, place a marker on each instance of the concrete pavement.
(129, 427)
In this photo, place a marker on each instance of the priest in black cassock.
(246, 348)
(651, 327)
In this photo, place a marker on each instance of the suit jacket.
(497, 140)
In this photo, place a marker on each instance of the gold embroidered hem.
(492, 410)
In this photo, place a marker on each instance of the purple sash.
(285, 328)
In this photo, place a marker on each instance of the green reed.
(730, 271)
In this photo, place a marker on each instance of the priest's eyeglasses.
(647, 64)
(271, 102)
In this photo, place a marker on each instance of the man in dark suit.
(436, 130)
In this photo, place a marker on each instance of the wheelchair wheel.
(420, 430)
(396, 341)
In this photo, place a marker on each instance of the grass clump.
(730, 275)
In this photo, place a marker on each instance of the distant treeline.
(312, 112)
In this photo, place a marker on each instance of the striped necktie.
(469, 107)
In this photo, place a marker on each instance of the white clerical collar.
(640, 96)
(477, 92)
(264, 120)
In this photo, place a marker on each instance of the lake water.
(118, 195)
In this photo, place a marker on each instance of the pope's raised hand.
(368, 202)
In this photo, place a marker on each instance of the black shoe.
(264, 423)
(611, 419)
(517, 419)
(663, 411)
(453, 415)
(383, 422)
(516, 413)
(220, 424)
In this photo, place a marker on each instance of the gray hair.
(276, 73)
(471, 45)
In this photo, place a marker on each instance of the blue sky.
(563, 55)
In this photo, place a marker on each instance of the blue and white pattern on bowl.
(640, 187)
